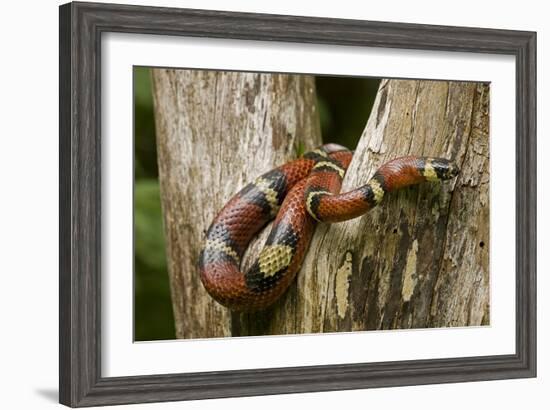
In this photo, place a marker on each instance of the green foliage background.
(344, 106)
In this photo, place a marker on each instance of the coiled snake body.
(297, 194)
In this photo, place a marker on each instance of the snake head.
(440, 169)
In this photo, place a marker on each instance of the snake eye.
(452, 171)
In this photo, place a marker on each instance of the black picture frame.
(81, 28)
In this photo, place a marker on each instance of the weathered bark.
(216, 131)
(421, 259)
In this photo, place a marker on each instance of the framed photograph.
(259, 204)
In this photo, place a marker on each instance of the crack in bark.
(462, 163)
(413, 115)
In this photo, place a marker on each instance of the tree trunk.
(421, 259)
(216, 131)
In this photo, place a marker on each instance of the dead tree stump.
(420, 259)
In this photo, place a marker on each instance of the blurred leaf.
(299, 149)
(142, 86)
(149, 236)
(154, 318)
(145, 165)
(324, 116)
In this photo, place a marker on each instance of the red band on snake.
(297, 194)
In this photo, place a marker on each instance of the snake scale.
(297, 194)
